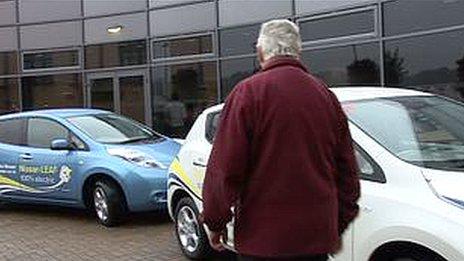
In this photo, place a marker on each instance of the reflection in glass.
(338, 26)
(9, 101)
(45, 60)
(52, 91)
(8, 63)
(235, 70)
(432, 63)
(408, 16)
(115, 54)
(102, 93)
(344, 66)
(183, 46)
(132, 97)
(180, 94)
(428, 131)
(239, 40)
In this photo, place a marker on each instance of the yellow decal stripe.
(179, 171)
(7, 181)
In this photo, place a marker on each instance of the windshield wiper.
(139, 139)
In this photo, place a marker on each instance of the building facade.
(162, 62)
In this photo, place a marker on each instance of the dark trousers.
(302, 258)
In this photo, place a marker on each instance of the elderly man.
(282, 158)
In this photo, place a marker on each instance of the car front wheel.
(190, 233)
(108, 203)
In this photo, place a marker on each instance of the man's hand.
(215, 241)
(215, 237)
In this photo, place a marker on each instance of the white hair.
(279, 37)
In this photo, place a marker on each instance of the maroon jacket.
(283, 157)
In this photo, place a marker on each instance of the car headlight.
(136, 157)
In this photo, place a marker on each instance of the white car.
(410, 150)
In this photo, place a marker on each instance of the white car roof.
(345, 94)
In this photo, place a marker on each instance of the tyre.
(410, 254)
(190, 233)
(108, 203)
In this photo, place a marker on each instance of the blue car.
(84, 158)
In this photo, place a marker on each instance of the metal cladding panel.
(183, 19)
(237, 12)
(51, 35)
(134, 26)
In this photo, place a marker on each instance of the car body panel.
(58, 177)
(400, 208)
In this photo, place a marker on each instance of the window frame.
(183, 57)
(378, 175)
(348, 37)
(78, 66)
(70, 132)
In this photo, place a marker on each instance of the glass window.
(44, 60)
(12, 131)
(365, 167)
(239, 40)
(428, 131)
(52, 91)
(318, 6)
(160, 3)
(115, 54)
(101, 92)
(345, 25)
(41, 132)
(9, 101)
(8, 63)
(432, 63)
(180, 94)
(113, 129)
(235, 70)
(132, 97)
(212, 124)
(344, 66)
(183, 46)
(408, 16)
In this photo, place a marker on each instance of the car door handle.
(199, 163)
(26, 156)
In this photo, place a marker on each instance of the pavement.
(48, 233)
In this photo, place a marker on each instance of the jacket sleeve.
(348, 186)
(228, 162)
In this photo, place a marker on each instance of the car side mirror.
(61, 144)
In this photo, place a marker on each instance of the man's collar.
(283, 61)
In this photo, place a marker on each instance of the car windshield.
(113, 129)
(423, 130)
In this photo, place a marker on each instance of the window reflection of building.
(355, 65)
(417, 63)
(181, 93)
(235, 70)
(52, 91)
(115, 54)
(8, 63)
(9, 95)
